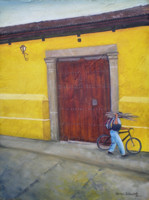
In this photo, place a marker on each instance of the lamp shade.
(23, 48)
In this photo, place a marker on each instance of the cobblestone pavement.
(26, 175)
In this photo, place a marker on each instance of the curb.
(83, 152)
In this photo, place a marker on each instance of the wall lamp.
(23, 49)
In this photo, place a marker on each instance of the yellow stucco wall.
(24, 108)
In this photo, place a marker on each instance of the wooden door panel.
(83, 98)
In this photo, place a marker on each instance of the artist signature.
(128, 193)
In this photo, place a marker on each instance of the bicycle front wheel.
(104, 142)
(133, 145)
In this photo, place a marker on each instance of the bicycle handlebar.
(125, 130)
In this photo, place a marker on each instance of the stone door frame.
(51, 59)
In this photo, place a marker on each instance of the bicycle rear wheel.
(133, 145)
(104, 142)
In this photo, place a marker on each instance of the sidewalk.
(83, 152)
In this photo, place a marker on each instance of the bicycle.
(133, 145)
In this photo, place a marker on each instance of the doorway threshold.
(80, 143)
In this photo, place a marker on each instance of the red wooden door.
(83, 97)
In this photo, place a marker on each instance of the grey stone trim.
(52, 95)
(51, 58)
(113, 64)
(83, 51)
